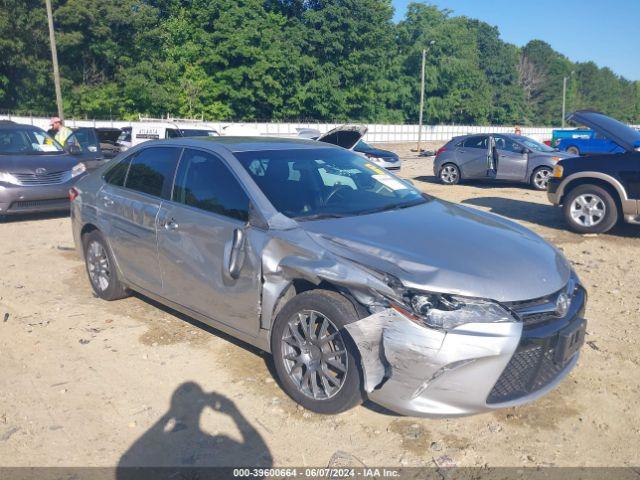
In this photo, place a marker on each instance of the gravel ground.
(90, 383)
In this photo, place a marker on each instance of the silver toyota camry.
(358, 284)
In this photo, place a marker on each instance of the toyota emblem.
(41, 171)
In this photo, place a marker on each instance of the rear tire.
(590, 209)
(306, 340)
(573, 150)
(101, 268)
(449, 174)
(540, 178)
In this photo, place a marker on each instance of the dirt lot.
(85, 382)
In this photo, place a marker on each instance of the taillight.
(440, 150)
(73, 193)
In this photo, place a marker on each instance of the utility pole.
(54, 59)
(424, 59)
(564, 97)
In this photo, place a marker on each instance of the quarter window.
(117, 174)
(203, 181)
(476, 142)
(152, 170)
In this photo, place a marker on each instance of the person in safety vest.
(61, 132)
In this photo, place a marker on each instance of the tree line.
(279, 60)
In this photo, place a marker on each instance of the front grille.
(34, 204)
(49, 178)
(541, 355)
(530, 369)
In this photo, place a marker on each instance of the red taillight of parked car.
(440, 150)
(73, 193)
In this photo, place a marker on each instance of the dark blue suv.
(597, 190)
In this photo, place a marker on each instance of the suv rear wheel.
(316, 360)
(590, 209)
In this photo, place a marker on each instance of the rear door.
(131, 209)
(195, 238)
(471, 155)
(512, 159)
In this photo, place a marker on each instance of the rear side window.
(117, 174)
(476, 142)
(152, 170)
(203, 181)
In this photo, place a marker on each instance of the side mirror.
(73, 149)
(236, 257)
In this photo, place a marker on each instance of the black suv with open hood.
(596, 191)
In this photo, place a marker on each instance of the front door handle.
(170, 224)
(107, 201)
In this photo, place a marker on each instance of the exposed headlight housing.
(6, 177)
(78, 169)
(444, 312)
(558, 171)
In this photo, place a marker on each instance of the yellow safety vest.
(63, 134)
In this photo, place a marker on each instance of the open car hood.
(345, 136)
(614, 130)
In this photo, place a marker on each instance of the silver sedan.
(359, 285)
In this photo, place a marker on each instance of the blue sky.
(604, 31)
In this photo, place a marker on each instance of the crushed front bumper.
(473, 368)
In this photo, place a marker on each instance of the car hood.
(345, 136)
(442, 247)
(616, 131)
(29, 163)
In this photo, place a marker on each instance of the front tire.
(590, 209)
(315, 359)
(101, 268)
(540, 178)
(449, 174)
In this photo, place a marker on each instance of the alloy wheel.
(98, 266)
(588, 210)
(314, 355)
(541, 178)
(449, 174)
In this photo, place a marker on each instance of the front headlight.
(6, 177)
(558, 171)
(442, 311)
(78, 169)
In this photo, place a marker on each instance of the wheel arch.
(600, 182)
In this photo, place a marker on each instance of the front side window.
(314, 183)
(152, 170)
(28, 140)
(506, 144)
(203, 181)
(85, 139)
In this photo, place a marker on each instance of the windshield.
(192, 132)
(326, 182)
(531, 144)
(27, 140)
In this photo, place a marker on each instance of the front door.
(195, 239)
(131, 205)
(512, 159)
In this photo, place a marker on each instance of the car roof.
(247, 144)
(9, 125)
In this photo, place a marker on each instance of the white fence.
(378, 133)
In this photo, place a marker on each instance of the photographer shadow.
(176, 441)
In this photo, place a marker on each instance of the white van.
(143, 131)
